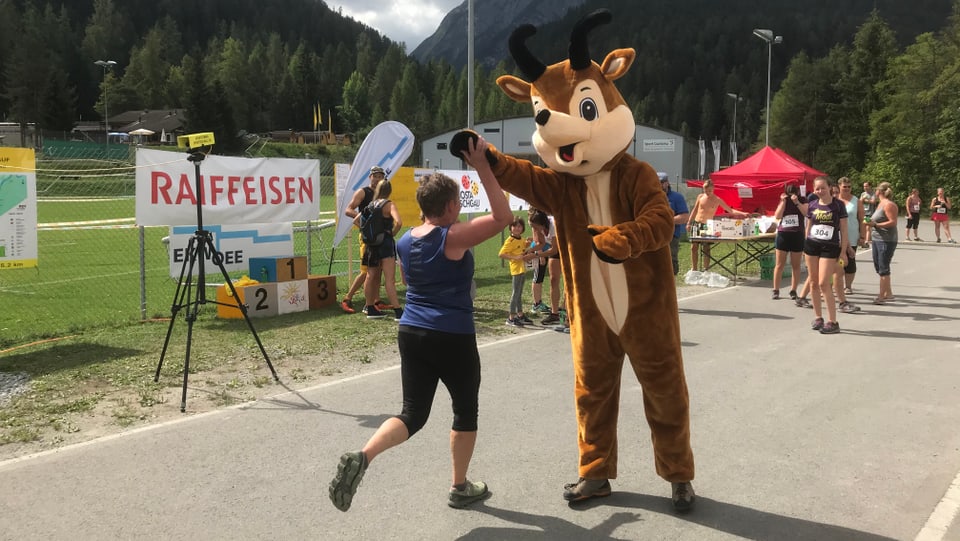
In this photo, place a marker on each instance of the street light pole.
(767, 35)
(733, 133)
(106, 64)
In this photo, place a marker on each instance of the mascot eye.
(588, 109)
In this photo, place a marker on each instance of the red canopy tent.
(755, 184)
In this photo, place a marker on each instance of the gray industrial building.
(664, 150)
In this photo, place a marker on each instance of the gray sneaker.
(472, 492)
(350, 472)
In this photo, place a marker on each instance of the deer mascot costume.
(614, 226)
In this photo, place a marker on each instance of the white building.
(664, 150)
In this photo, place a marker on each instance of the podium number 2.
(261, 295)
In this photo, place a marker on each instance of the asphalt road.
(797, 435)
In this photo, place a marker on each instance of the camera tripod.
(190, 297)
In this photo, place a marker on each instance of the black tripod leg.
(218, 260)
(178, 298)
(191, 317)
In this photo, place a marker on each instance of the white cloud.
(407, 21)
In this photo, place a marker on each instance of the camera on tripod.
(195, 141)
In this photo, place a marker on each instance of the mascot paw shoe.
(683, 496)
(586, 488)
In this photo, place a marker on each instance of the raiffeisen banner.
(232, 190)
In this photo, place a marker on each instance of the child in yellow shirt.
(514, 250)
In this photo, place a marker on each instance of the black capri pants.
(913, 222)
(428, 357)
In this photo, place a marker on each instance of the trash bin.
(767, 263)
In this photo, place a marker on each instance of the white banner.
(237, 244)
(659, 145)
(733, 153)
(233, 190)
(388, 145)
(716, 154)
(703, 159)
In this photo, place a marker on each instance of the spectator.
(704, 209)
(855, 215)
(913, 214)
(545, 235)
(883, 225)
(869, 200)
(361, 198)
(437, 338)
(514, 250)
(681, 215)
(382, 259)
(789, 240)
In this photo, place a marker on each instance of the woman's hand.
(476, 153)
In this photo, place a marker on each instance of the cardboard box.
(260, 300)
(728, 229)
(292, 297)
(322, 291)
(278, 269)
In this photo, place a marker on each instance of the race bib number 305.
(790, 220)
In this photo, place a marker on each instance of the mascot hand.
(460, 143)
(609, 245)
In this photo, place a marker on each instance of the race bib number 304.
(821, 232)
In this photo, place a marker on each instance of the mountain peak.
(494, 20)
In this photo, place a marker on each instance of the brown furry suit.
(614, 227)
(650, 335)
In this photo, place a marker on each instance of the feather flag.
(330, 124)
(316, 119)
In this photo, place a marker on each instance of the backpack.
(373, 226)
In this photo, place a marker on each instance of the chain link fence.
(96, 267)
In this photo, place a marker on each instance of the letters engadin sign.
(233, 190)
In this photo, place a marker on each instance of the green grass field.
(89, 276)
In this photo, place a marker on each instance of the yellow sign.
(18, 208)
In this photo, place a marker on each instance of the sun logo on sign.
(465, 181)
(474, 189)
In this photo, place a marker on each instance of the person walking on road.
(826, 240)
(940, 214)
(437, 339)
(883, 225)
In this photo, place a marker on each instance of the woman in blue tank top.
(437, 340)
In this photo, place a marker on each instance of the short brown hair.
(434, 192)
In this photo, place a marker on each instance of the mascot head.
(583, 123)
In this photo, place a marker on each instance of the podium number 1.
(292, 271)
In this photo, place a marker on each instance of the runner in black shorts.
(826, 239)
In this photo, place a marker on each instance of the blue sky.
(406, 21)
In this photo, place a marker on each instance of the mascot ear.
(616, 64)
(517, 89)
